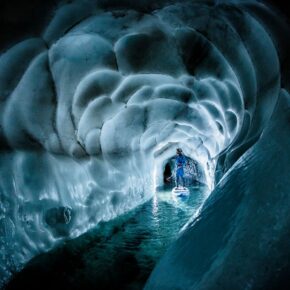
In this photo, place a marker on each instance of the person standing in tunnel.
(179, 162)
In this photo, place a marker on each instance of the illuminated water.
(119, 254)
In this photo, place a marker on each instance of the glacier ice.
(93, 109)
(240, 239)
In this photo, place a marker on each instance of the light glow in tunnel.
(92, 110)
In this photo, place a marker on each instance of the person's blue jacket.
(179, 162)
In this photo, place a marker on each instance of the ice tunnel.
(193, 174)
(94, 107)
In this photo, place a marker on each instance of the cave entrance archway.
(193, 172)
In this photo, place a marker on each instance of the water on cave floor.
(119, 254)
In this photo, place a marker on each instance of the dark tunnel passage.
(193, 172)
(167, 173)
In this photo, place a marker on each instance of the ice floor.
(119, 254)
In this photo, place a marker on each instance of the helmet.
(179, 150)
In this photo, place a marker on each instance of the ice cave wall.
(240, 239)
(92, 108)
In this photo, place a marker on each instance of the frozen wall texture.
(91, 111)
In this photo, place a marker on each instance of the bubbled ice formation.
(92, 109)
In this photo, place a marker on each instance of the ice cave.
(96, 96)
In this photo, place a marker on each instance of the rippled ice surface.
(119, 254)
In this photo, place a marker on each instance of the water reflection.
(119, 254)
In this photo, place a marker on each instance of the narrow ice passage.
(93, 109)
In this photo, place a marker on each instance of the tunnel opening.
(193, 173)
(167, 173)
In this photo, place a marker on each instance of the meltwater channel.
(119, 254)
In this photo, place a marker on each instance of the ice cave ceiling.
(92, 108)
